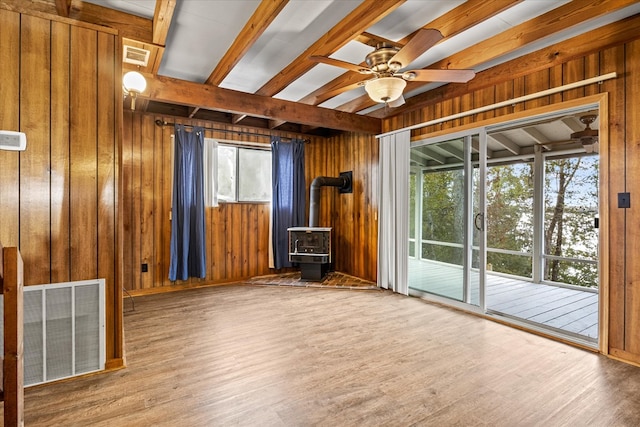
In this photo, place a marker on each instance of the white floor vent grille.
(64, 330)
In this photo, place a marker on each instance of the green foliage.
(510, 217)
(570, 199)
(443, 214)
(571, 194)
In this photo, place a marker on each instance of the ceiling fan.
(587, 137)
(389, 58)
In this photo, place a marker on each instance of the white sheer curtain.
(393, 212)
(210, 166)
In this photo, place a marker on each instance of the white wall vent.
(64, 330)
(135, 56)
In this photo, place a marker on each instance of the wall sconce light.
(133, 83)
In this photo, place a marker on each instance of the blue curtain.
(288, 196)
(188, 256)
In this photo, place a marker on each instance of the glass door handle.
(479, 216)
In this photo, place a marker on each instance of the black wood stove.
(311, 248)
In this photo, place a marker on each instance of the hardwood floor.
(288, 356)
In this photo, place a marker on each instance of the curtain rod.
(513, 101)
(162, 123)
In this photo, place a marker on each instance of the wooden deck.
(567, 310)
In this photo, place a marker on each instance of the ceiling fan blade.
(422, 41)
(341, 64)
(554, 143)
(426, 75)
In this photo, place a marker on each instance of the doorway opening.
(504, 220)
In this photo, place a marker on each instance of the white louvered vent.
(64, 330)
(135, 56)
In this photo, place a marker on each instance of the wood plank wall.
(624, 152)
(58, 199)
(353, 216)
(237, 233)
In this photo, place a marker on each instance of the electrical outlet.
(624, 200)
(145, 267)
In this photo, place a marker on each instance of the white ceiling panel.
(410, 16)
(354, 52)
(296, 28)
(493, 26)
(322, 74)
(144, 8)
(564, 35)
(343, 98)
(310, 81)
(200, 34)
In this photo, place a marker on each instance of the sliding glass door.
(505, 219)
(447, 234)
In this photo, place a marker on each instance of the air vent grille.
(64, 330)
(135, 56)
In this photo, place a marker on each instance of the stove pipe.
(343, 182)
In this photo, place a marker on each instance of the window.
(254, 183)
(244, 174)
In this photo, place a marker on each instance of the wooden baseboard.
(180, 287)
(624, 356)
(114, 364)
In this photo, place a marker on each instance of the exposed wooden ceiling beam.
(162, 17)
(361, 18)
(237, 118)
(264, 14)
(373, 40)
(166, 89)
(63, 7)
(455, 21)
(193, 111)
(467, 15)
(274, 123)
(535, 29)
(142, 105)
(615, 33)
(129, 26)
(344, 83)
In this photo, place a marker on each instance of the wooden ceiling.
(469, 29)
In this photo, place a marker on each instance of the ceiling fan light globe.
(385, 89)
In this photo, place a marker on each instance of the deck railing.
(418, 255)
